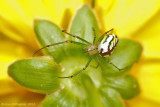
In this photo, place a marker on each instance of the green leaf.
(126, 85)
(124, 55)
(48, 33)
(93, 96)
(64, 98)
(83, 23)
(37, 74)
(111, 98)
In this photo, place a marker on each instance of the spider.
(105, 47)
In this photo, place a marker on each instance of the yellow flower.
(135, 19)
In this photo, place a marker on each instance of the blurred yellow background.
(135, 19)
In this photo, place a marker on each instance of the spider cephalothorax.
(105, 46)
(91, 49)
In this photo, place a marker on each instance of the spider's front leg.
(58, 43)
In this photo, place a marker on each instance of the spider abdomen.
(107, 44)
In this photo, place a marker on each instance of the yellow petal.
(10, 51)
(56, 8)
(141, 102)
(21, 99)
(127, 16)
(149, 37)
(15, 22)
(66, 19)
(8, 86)
(148, 75)
(17, 16)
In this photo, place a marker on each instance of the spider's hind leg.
(114, 65)
(119, 69)
(90, 59)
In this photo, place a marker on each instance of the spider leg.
(90, 59)
(67, 41)
(96, 58)
(116, 66)
(95, 66)
(113, 65)
(97, 61)
(108, 31)
(105, 34)
(94, 35)
(76, 37)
